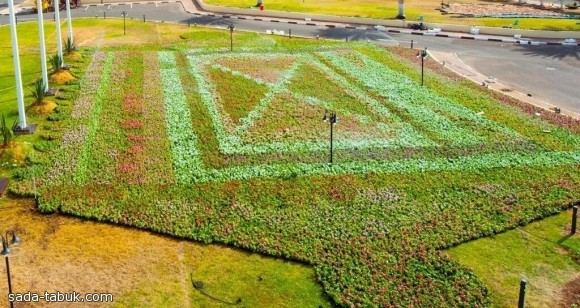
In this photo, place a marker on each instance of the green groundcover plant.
(231, 148)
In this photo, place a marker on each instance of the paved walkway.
(452, 62)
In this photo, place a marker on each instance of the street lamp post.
(401, 14)
(69, 23)
(42, 45)
(124, 28)
(423, 54)
(5, 252)
(332, 119)
(231, 27)
(17, 73)
(56, 4)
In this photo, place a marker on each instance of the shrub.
(38, 92)
(69, 46)
(56, 62)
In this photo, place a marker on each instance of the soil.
(571, 293)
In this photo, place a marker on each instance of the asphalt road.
(549, 73)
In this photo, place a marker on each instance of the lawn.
(60, 253)
(542, 252)
(188, 139)
(389, 9)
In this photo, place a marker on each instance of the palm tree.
(401, 9)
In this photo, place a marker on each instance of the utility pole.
(69, 22)
(56, 4)
(17, 73)
(42, 45)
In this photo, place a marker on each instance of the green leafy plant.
(56, 62)
(6, 132)
(38, 92)
(69, 46)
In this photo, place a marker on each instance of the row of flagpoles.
(22, 125)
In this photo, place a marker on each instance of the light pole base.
(3, 185)
(30, 129)
(401, 17)
(51, 92)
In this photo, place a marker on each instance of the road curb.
(193, 10)
(389, 30)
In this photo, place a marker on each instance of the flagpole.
(42, 45)
(69, 22)
(17, 73)
(58, 34)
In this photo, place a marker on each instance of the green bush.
(56, 63)
(69, 46)
(38, 92)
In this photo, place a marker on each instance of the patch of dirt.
(496, 8)
(571, 293)
(61, 77)
(562, 251)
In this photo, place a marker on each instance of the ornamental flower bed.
(231, 148)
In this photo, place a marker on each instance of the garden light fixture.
(5, 252)
(124, 24)
(423, 54)
(332, 119)
(231, 27)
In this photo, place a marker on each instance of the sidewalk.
(452, 62)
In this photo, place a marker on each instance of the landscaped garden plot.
(231, 148)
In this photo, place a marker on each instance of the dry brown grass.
(43, 108)
(74, 56)
(141, 269)
(61, 77)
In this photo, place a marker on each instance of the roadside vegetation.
(151, 137)
(414, 9)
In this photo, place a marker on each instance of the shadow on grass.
(564, 238)
(199, 285)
